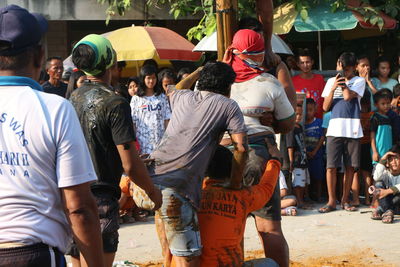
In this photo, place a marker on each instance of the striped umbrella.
(141, 43)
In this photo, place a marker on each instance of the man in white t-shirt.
(342, 96)
(45, 166)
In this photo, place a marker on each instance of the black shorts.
(366, 158)
(31, 256)
(255, 167)
(338, 147)
(108, 209)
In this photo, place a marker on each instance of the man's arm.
(239, 142)
(285, 126)
(189, 80)
(291, 158)
(81, 211)
(375, 154)
(264, 190)
(318, 146)
(137, 172)
(265, 12)
(348, 94)
(285, 78)
(328, 101)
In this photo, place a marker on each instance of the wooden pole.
(226, 24)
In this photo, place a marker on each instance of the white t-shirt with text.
(149, 114)
(42, 149)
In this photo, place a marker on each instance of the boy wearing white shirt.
(342, 96)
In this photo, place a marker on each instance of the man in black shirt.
(108, 128)
(54, 68)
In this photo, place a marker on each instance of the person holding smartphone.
(342, 96)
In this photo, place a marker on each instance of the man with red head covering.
(259, 93)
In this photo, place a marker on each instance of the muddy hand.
(156, 197)
(273, 149)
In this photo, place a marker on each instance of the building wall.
(88, 10)
(57, 39)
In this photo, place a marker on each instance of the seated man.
(387, 186)
(223, 211)
(288, 202)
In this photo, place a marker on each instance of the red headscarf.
(246, 45)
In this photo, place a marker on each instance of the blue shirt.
(381, 125)
(326, 119)
(313, 132)
(389, 84)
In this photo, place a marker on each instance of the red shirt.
(313, 88)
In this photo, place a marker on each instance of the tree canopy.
(206, 10)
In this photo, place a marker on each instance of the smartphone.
(341, 74)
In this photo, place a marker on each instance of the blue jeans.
(181, 224)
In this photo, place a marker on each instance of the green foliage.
(115, 6)
(206, 9)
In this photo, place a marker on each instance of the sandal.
(291, 211)
(376, 215)
(326, 209)
(348, 207)
(388, 216)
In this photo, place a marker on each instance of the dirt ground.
(358, 258)
(336, 239)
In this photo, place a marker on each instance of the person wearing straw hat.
(45, 166)
(107, 125)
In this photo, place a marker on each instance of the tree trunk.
(226, 24)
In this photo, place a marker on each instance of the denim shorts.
(181, 224)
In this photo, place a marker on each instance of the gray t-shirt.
(197, 122)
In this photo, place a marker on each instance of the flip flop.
(348, 207)
(326, 209)
(388, 216)
(289, 211)
(376, 215)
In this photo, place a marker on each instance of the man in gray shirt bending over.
(196, 126)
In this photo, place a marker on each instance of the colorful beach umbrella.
(140, 43)
(321, 18)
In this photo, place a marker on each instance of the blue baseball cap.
(19, 30)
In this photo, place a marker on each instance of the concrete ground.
(309, 235)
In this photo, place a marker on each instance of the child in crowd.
(298, 158)
(314, 140)
(365, 171)
(381, 129)
(364, 71)
(342, 96)
(166, 77)
(133, 85)
(387, 186)
(394, 114)
(223, 211)
(288, 202)
(383, 80)
(150, 110)
(182, 74)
